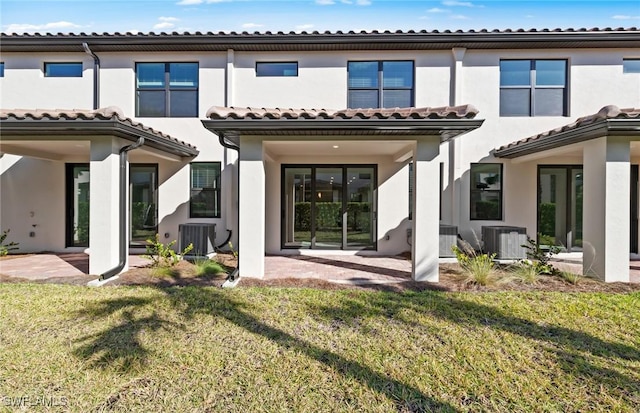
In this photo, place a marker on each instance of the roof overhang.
(36, 129)
(327, 41)
(350, 129)
(601, 128)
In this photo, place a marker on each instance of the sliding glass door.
(77, 234)
(560, 206)
(328, 207)
(143, 196)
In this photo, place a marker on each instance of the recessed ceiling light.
(335, 146)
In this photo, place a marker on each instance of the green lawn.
(249, 349)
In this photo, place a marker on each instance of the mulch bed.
(184, 275)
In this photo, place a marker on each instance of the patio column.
(606, 215)
(251, 177)
(104, 206)
(426, 215)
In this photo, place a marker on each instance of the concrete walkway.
(344, 269)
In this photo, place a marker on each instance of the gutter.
(122, 233)
(234, 278)
(96, 75)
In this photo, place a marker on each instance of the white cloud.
(132, 31)
(625, 17)
(460, 17)
(168, 19)
(325, 2)
(164, 25)
(251, 25)
(529, 16)
(363, 2)
(24, 27)
(458, 3)
(304, 26)
(437, 10)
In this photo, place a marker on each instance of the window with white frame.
(486, 191)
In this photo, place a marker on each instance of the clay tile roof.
(107, 113)
(249, 113)
(608, 112)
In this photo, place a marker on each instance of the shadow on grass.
(120, 345)
(572, 349)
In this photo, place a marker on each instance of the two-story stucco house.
(288, 142)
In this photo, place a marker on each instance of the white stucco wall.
(595, 80)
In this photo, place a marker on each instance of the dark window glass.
(205, 190)
(533, 88)
(515, 102)
(277, 69)
(167, 89)
(1, 69)
(380, 84)
(73, 69)
(631, 66)
(486, 191)
(549, 102)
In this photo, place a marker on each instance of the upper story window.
(286, 69)
(533, 88)
(387, 84)
(167, 89)
(630, 65)
(66, 69)
(1, 69)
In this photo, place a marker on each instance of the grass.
(525, 272)
(570, 277)
(266, 349)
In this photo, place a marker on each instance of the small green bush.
(162, 255)
(570, 277)
(541, 259)
(526, 272)
(478, 268)
(10, 246)
(208, 267)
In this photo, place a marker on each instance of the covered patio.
(607, 144)
(327, 143)
(55, 214)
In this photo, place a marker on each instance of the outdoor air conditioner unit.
(202, 236)
(448, 238)
(504, 241)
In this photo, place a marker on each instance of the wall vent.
(504, 241)
(202, 236)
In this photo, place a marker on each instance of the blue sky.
(75, 16)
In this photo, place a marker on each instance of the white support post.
(104, 206)
(426, 211)
(455, 148)
(251, 243)
(606, 216)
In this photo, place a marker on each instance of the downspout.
(234, 278)
(96, 76)
(122, 232)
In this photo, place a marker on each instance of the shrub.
(10, 246)
(570, 277)
(163, 255)
(478, 268)
(208, 267)
(526, 272)
(541, 258)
